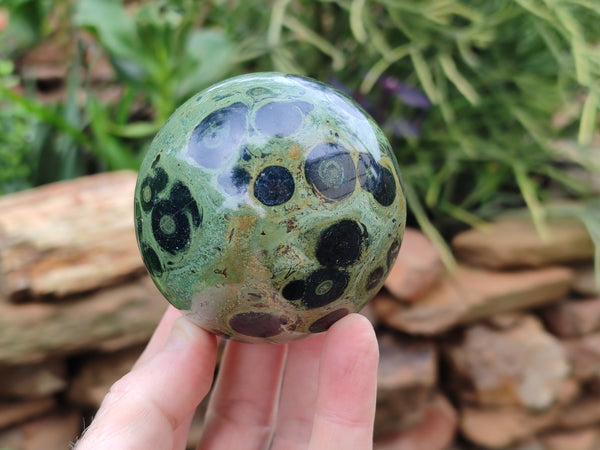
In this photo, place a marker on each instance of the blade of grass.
(381, 66)
(460, 82)
(536, 209)
(587, 123)
(424, 74)
(463, 215)
(306, 34)
(356, 20)
(276, 22)
(428, 228)
(591, 219)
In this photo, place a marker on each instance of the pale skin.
(318, 393)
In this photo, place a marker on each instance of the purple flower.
(409, 95)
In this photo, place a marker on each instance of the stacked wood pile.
(502, 353)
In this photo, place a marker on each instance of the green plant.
(161, 55)
(495, 74)
(160, 50)
(16, 133)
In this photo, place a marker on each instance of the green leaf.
(108, 149)
(116, 31)
(208, 57)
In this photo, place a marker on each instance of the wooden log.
(68, 237)
(109, 319)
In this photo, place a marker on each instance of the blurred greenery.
(489, 105)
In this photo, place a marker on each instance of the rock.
(518, 366)
(580, 439)
(503, 426)
(489, 293)
(515, 243)
(33, 380)
(54, 432)
(570, 390)
(417, 268)
(583, 412)
(470, 294)
(68, 237)
(108, 319)
(407, 374)
(585, 281)
(97, 373)
(13, 412)
(573, 318)
(436, 312)
(435, 431)
(504, 321)
(584, 356)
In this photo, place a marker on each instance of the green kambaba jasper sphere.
(268, 207)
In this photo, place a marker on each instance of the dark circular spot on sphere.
(218, 135)
(256, 324)
(182, 200)
(294, 290)
(341, 244)
(326, 321)
(386, 192)
(369, 172)
(171, 229)
(235, 181)
(151, 186)
(274, 185)
(172, 219)
(324, 286)
(375, 278)
(279, 119)
(376, 179)
(151, 260)
(392, 253)
(330, 171)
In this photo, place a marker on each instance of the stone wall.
(504, 352)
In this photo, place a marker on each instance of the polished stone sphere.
(268, 207)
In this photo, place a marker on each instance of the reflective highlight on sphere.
(268, 207)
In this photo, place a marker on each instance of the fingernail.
(182, 334)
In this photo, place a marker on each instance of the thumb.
(145, 407)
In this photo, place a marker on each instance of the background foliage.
(489, 105)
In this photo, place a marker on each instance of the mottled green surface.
(268, 207)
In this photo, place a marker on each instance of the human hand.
(318, 393)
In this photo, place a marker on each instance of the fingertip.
(356, 328)
(185, 333)
(347, 390)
